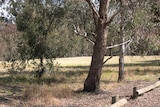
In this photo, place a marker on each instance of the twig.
(82, 34)
(92, 6)
(13, 100)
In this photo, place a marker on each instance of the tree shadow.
(140, 63)
(73, 72)
(28, 78)
(152, 62)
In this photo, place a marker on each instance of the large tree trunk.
(122, 47)
(92, 83)
(102, 22)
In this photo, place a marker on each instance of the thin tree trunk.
(122, 47)
(41, 71)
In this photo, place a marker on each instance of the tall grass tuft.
(41, 95)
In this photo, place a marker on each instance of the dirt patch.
(124, 90)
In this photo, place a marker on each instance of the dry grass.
(73, 71)
(85, 61)
(46, 95)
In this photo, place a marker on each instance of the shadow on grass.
(58, 77)
(2, 99)
(25, 80)
(142, 64)
(145, 71)
(73, 73)
(152, 62)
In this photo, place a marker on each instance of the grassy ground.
(70, 76)
(136, 67)
(75, 69)
(85, 61)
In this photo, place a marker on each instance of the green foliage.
(155, 10)
(46, 24)
(36, 20)
(146, 31)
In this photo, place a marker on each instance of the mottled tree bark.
(122, 47)
(92, 83)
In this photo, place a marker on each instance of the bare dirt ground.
(150, 99)
(124, 90)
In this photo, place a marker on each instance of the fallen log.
(139, 92)
(120, 103)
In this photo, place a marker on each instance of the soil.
(103, 99)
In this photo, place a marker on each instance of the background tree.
(8, 42)
(125, 32)
(128, 25)
(146, 30)
(36, 19)
(122, 47)
(79, 14)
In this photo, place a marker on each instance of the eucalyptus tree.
(79, 14)
(146, 27)
(125, 32)
(122, 47)
(102, 20)
(36, 19)
(138, 21)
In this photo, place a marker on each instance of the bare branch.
(82, 34)
(112, 17)
(90, 40)
(107, 59)
(111, 55)
(93, 34)
(92, 6)
(128, 44)
(109, 47)
(49, 26)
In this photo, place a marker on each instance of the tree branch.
(109, 47)
(92, 6)
(107, 59)
(128, 44)
(112, 17)
(49, 26)
(82, 34)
